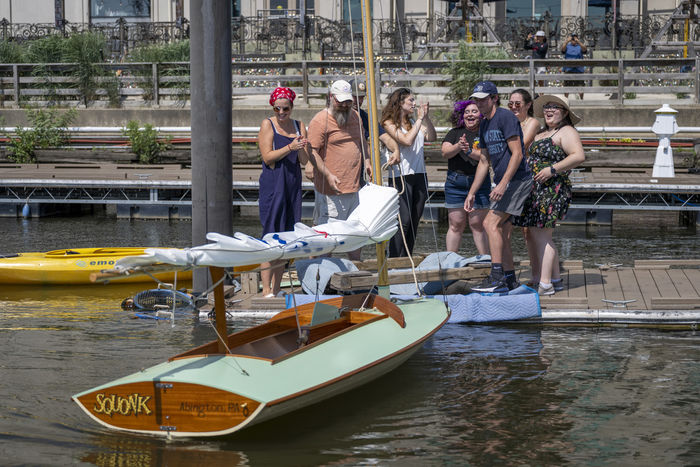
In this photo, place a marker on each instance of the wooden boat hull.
(72, 267)
(203, 394)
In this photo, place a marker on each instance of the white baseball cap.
(540, 33)
(342, 90)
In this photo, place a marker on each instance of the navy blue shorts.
(457, 188)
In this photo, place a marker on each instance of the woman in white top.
(407, 173)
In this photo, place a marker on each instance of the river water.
(474, 395)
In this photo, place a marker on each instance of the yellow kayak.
(72, 266)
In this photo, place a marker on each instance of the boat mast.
(373, 122)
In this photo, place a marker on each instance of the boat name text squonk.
(133, 404)
(202, 408)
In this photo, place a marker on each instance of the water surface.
(474, 395)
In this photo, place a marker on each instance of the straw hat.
(561, 100)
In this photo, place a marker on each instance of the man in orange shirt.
(338, 147)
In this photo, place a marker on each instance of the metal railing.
(623, 81)
(317, 37)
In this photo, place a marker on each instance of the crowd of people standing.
(506, 168)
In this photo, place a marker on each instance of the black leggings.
(411, 204)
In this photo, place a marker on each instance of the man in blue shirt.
(501, 139)
(573, 49)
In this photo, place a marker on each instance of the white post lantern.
(665, 126)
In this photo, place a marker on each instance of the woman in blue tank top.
(283, 146)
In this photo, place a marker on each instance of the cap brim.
(343, 97)
(480, 95)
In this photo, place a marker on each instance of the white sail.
(373, 221)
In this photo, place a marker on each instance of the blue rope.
(685, 202)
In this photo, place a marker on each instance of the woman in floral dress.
(555, 151)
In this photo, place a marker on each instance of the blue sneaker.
(491, 285)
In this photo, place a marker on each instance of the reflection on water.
(474, 395)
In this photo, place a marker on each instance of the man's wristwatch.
(554, 171)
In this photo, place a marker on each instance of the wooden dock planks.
(664, 283)
(575, 283)
(594, 288)
(631, 289)
(647, 285)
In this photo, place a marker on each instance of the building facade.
(96, 11)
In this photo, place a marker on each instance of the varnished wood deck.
(649, 285)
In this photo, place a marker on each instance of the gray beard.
(341, 116)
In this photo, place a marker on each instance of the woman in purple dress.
(283, 146)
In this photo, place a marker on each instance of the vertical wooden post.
(154, 78)
(620, 81)
(531, 77)
(219, 306)
(305, 80)
(15, 83)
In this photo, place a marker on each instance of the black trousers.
(411, 204)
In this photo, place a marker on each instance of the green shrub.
(49, 49)
(469, 66)
(178, 51)
(49, 128)
(11, 52)
(144, 141)
(87, 50)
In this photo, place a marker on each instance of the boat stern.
(169, 408)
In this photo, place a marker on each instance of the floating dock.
(652, 293)
(657, 293)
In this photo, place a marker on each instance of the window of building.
(352, 9)
(524, 8)
(278, 7)
(119, 8)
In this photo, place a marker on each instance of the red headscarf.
(282, 93)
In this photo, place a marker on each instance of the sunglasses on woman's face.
(514, 104)
(281, 109)
(552, 107)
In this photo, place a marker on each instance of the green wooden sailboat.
(299, 357)
(268, 370)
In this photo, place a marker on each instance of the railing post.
(15, 84)
(531, 77)
(620, 81)
(697, 80)
(305, 80)
(154, 77)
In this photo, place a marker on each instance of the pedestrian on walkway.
(539, 47)
(573, 49)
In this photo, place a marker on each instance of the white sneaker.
(545, 289)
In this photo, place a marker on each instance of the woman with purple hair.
(461, 149)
